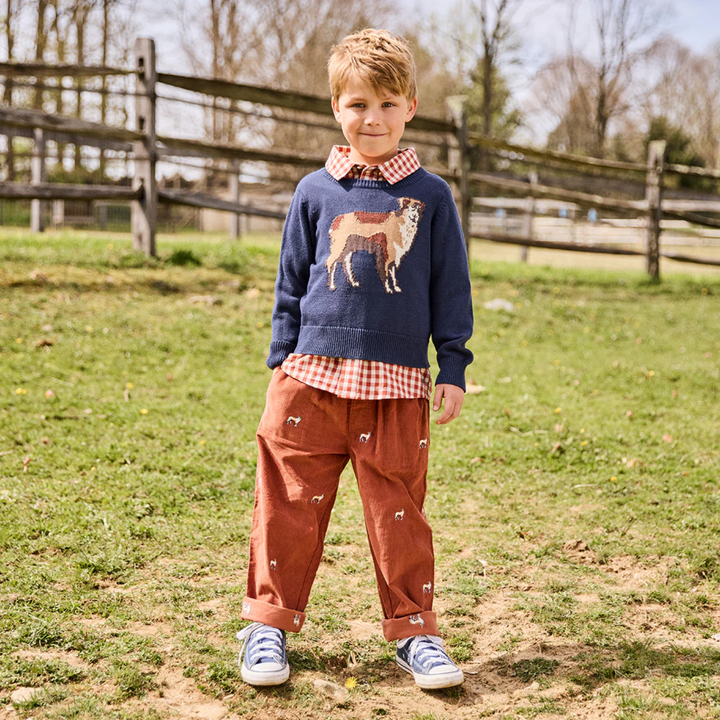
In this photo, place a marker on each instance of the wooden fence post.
(459, 161)
(529, 216)
(653, 195)
(58, 213)
(37, 176)
(144, 211)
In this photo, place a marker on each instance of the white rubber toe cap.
(271, 674)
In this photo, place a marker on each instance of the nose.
(372, 117)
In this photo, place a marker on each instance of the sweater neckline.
(379, 184)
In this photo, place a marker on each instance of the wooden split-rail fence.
(147, 147)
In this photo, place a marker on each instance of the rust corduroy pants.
(305, 439)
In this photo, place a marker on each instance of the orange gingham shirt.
(348, 377)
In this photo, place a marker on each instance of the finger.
(437, 399)
(452, 410)
(447, 415)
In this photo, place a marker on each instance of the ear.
(412, 108)
(336, 109)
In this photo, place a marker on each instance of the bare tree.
(561, 102)
(496, 35)
(80, 11)
(40, 44)
(276, 43)
(12, 8)
(624, 30)
(58, 34)
(684, 88)
(479, 45)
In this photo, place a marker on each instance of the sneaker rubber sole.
(436, 681)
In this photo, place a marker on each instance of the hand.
(454, 397)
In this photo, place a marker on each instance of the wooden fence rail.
(202, 200)
(147, 148)
(60, 191)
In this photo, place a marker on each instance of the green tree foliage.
(505, 116)
(679, 150)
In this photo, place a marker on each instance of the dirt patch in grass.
(178, 696)
(70, 658)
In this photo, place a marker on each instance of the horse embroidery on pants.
(388, 237)
(247, 607)
(296, 621)
(365, 437)
(293, 420)
(427, 587)
(423, 443)
(416, 620)
(316, 499)
(400, 515)
(273, 564)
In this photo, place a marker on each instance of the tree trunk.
(40, 44)
(61, 44)
(103, 96)
(80, 16)
(8, 88)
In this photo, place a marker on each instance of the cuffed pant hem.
(277, 617)
(424, 623)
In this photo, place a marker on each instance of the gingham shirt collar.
(397, 168)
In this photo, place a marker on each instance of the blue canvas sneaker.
(424, 658)
(263, 660)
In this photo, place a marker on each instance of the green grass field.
(575, 502)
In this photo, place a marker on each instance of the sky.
(542, 24)
(695, 22)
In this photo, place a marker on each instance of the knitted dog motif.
(386, 236)
(293, 420)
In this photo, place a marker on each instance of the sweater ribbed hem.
(363, 344)
(279, 350)
(452, 372)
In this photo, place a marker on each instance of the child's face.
(372, 121)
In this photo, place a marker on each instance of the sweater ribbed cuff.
(452, 372)
(278, 352)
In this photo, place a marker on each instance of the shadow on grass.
(147, 285)
(524, 276)
(590, 667)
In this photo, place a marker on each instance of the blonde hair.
(377, 57)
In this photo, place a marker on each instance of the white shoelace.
(267, 643)
(428, 651)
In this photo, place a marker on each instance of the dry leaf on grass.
(472, 389)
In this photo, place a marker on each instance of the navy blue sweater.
(372, 271)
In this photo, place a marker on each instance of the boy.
(372, 265)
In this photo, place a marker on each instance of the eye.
(358, 105)
(387, 103)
